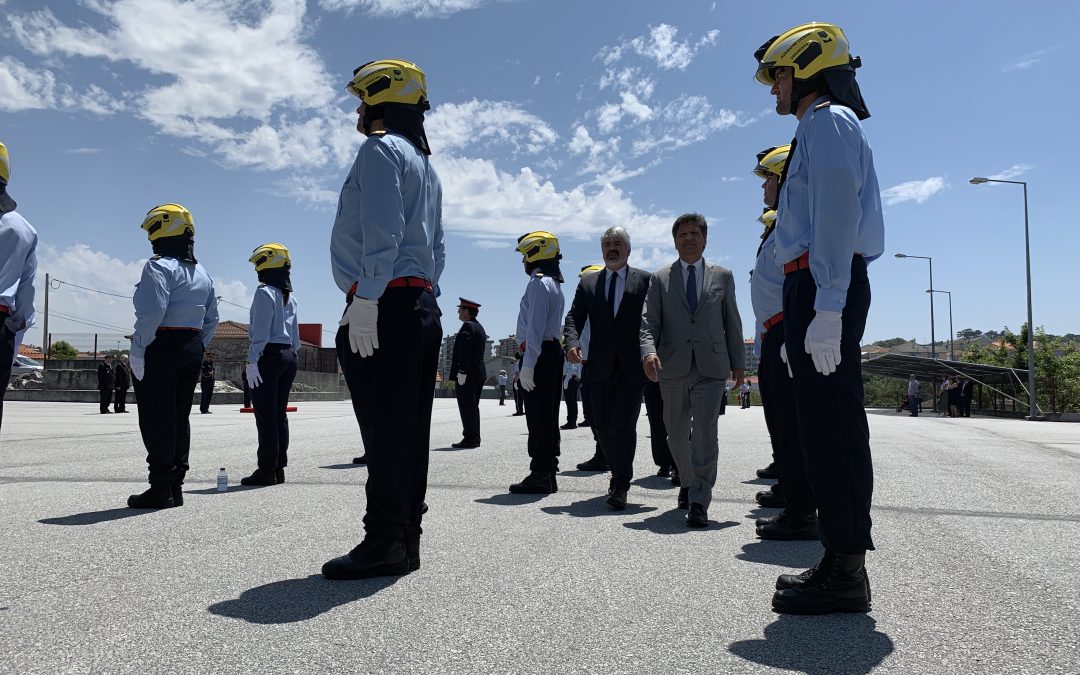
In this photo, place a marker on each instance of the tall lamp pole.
(933, 348)
(952, 354)
(1032, 406)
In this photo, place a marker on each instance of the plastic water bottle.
(222, 480)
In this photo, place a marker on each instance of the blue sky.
(568, 116)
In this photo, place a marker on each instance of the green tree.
(62, 350)
(968, 334)
(891, 342)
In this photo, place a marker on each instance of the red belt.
(400, 282)
(4, 309)
(800, 263)
(163, 329)
(773, 320)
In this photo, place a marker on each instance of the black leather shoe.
(517, 414)
(684, 498)
(585, 423)
(596, 463)
(772, 471)
(790, 527)
(676, 479)
(663, 471)
(616, 499)
(369, 559)
(279, 475)
(464, 445)
(536, 484)
(698, 516)
(178, 494)
(795, 580)
(156, 497)
(772, 499)
(412, 550)
(362, 459)
(569, 425)
(837, 584)
(260, 477)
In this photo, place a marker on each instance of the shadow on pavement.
(762, 512)
(654, 483)
(816, 645)
(576, 473)
(510, 499)
(798, 554)
(449, 449)
(95, 517)
(232, 488)
(674, 522)
(344, 466)
(596, 506)
(295, 600)
(760, 481)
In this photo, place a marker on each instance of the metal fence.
(91, 345)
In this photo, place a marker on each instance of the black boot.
(837, 584)
(773, 498)
(771, 471)
(279, 475)
(372, 558)
(412, 549)
(159, 496)
(178, 494)
(789, 526)
(536, 483)
(595, 463)
(260, 477)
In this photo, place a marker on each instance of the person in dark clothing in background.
(105, 384)
(467, 370)
(206, 383)
(121, 384)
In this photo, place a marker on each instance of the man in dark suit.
(467, 369)
(206, 383)
(611, 301)
(965, 397)
(105, 384)
(121, 384)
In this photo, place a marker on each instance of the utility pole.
(45, 329)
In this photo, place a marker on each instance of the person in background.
(274, 341)
(570, 385)
(121, 384)
(206, 383)
(500, 379)
(965, 397)
(468, 372)
(106, 380)
(913, 395)
(519, 393)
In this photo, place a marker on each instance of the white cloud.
(684, 121)
(84, 151)
(660, 45)
(1029, 60)
(490, 244)
(1013, 172)
(26, 88)
(474, 124)
(417, 8)
(917, 191)
(481, 200)
(731, 179)
(653, 258)
(309, 191)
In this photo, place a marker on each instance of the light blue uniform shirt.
(389, 218)
(18, 265)
(539, 315)
(766, 286)
(173, 294)
(271, 320)
(830, 204)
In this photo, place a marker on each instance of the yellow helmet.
(588, 269)
(168, 220)
(5, 164)
(538, 245)
(768, 219)
(389, 81)
(772, 161)
(269, 257)
(809, 49)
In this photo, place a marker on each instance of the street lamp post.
(933, 347)
(1032, 407)
(952, 354)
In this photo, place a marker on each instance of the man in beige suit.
(691, 342)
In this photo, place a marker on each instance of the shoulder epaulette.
(539, 275)
(155, 257)
(823, 104)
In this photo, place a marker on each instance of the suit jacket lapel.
(706, 279)
(679, 283)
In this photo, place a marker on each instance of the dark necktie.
(611, 291)
(691, 289)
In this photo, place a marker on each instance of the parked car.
(24, 365)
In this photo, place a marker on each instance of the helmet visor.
(766, 73)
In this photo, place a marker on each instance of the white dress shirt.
(699, 272)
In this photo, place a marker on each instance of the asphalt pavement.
(977, 567)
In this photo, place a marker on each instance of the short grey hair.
(616, 232)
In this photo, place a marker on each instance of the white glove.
(823, 341)
(138, 366)
(362, 318)
(254, 378)
(461, 377)
(783, 357)
(527, 379)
